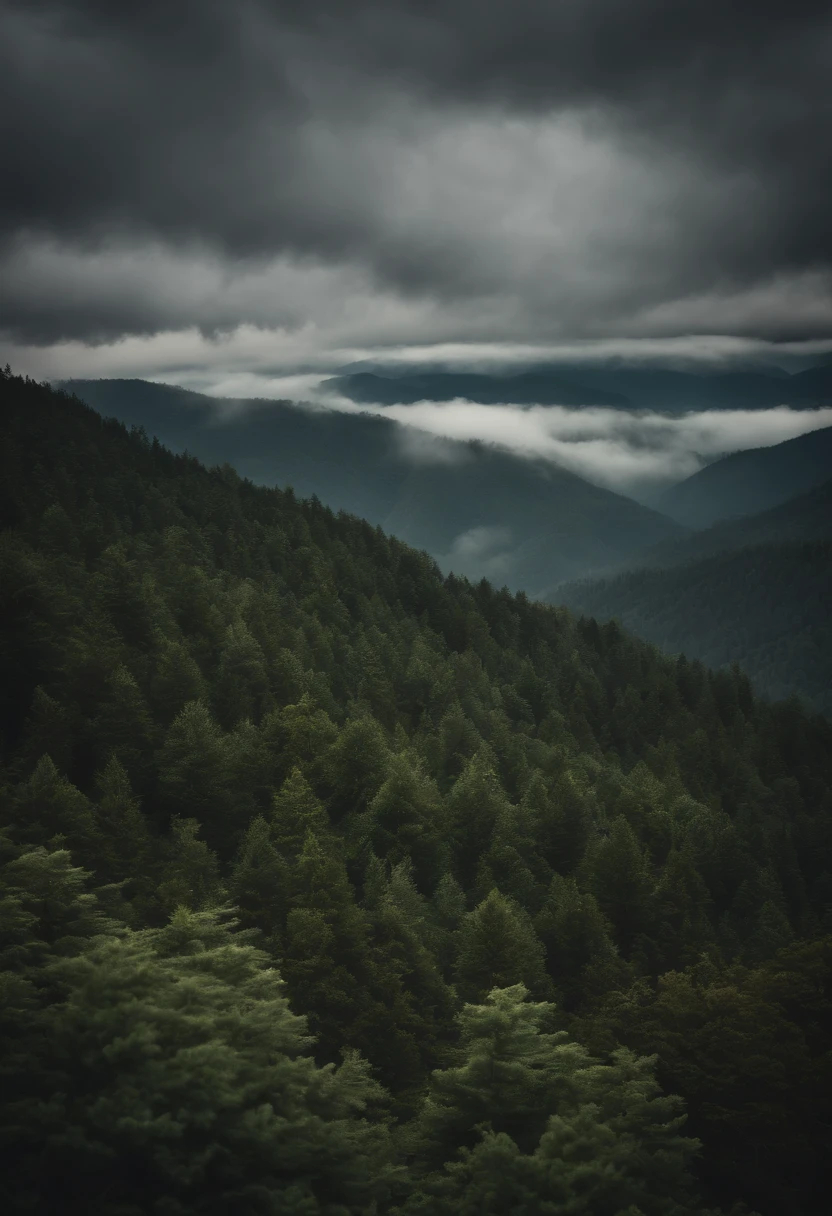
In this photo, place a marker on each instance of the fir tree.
(259, 884)
(617, 875)
(580, 955)
(123, 726)
(123, 842)
(176, 681)
(474, 805)
(190, 875)
(47, 808)
(498, 947)
(544, 1127)
(404, 820)
(194, 774)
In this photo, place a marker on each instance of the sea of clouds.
(633, 452)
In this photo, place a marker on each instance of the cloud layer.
(634, 453)
(368, 174)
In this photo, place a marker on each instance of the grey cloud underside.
(574, 167)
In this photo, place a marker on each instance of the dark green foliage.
(749, 1049)
(474, 805)
(195, 773)
(541, 1126)
(123, 842)
(189, 870)
(183, 1083)
(404, 820)
(766, 608)
(753, 590)
(295, 812)
(46, 808)
(412, 790)
(498, 947)
(259, 882)
(616, 872)
(580, 955)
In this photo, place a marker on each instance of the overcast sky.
(200, 189)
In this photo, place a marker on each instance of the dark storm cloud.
(526, 163)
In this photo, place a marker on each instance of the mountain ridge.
(750, 481)
(666, 390)
(478, 509)
(753, 591)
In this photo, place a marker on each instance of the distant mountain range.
(754, 591)
(529, 388)
(662, 389)
(479, 510)
(805, 518)
(747, 482)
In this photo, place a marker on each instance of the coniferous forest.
(331, 885)
(765, 607)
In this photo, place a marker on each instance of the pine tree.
(122, 840)
(617, 875)
(509, 1077)
(512, 862)
(498, 947)
(48, 906)
(259, 884)
(355, 765)
(474, 805)
(545, 1127)
(294, 813)
(683, 907)
(51, 729)
(123, 726)
(47, 808)
(242, 687)
(403, 820)
(772, 932)
(413, 1007)
(579, 951)
(449, 906)
(195, 777)
(326, 948)
(459, 740)
(298, 735)
(176, 681)
(190, 876)
(563, 818)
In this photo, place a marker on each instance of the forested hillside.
(805, 519)
(480, 510)
(748, 482)
(765, 608)
(753, 591)
(331, 885)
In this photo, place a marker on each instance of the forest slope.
(752, 591)
(748, 482)
(766, 608)
(479, 510)
(804, 519)
(504, 855)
